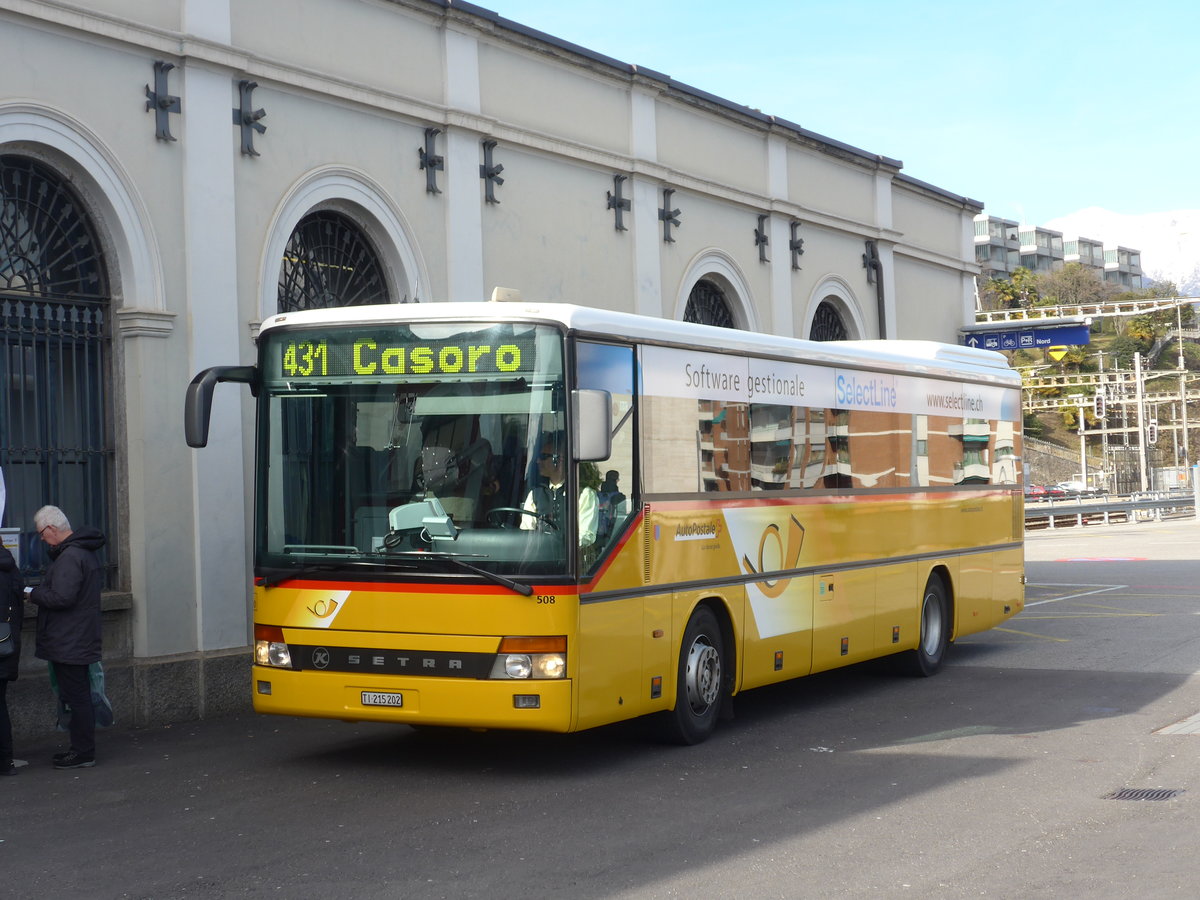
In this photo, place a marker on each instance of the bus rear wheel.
(700, 686)
(930, 653)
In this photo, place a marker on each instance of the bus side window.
(609, 367)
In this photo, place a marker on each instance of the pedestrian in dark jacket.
(68, 626)
(12, 608)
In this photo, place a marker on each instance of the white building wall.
(195, 230)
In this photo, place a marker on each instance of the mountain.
(1169, 241)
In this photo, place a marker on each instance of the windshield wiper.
(273, 575)
(523, 589)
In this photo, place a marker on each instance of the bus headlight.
(530, 665)
(270, 648)
(550, 665)
(272, 653)
(531, 658)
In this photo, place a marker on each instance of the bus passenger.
(611, 501)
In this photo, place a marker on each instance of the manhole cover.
(1144, 794)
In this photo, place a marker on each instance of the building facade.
(174, 171)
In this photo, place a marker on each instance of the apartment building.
(1002, 245)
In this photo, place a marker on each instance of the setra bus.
(550, 517)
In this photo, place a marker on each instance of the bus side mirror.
(593, 420)
(197, 406)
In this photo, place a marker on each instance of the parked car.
(1044, 492)
(1078, 489)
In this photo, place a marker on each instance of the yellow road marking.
(1119, 610)
(1030, 634)
(1089, 615)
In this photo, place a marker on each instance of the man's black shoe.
(75, 760)
(63, 755)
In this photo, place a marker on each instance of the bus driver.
(548, 497)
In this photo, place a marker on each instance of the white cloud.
(1168, 241)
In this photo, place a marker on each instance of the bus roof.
(914, 357)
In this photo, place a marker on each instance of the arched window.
(329, 262)
(827, 324)
(707, 305)
(55, 423)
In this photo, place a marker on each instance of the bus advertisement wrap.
(668, 372)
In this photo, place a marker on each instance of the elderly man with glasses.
(68, 624)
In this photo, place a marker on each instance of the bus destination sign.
(384, 355)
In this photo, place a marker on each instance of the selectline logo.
(865, 392)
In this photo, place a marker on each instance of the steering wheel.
(494, 511)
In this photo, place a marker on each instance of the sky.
(1036, 109)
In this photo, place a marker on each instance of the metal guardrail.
(1074, 511)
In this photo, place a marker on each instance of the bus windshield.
(410, 446)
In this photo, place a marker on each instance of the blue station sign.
(1029, 338)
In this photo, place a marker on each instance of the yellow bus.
(550, 517)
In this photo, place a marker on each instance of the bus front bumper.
(533, 705)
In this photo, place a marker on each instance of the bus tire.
(700, 686)
(930, 652)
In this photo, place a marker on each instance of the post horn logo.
(323, 609)
(788, 558)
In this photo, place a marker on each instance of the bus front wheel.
(699, 688)
(930, 653)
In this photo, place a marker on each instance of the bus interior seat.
(437, 470)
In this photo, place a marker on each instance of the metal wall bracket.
(161, 101)
(430, 161)
(871, 261)
(668, 216)
(619, 204)
(761, 240)
(246, 117)
(796, 245)
(490, 173)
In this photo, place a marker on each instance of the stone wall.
(1047, 463)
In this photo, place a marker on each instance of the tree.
(999, 293)
(1018, 291)
(1162, 289)
(1033, 426)
(1026, 285)
(1123, 347)
(1073, 360)
(1074, 284)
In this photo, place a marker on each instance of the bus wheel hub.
(703, 676)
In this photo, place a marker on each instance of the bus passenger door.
(843, 618)
(611, 629)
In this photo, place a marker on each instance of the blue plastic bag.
(100, 701)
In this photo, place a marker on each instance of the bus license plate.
(376, 698)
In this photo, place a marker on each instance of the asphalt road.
(989, 780)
